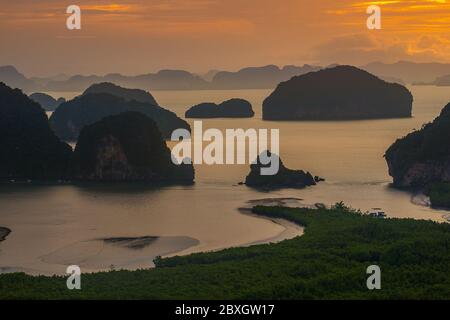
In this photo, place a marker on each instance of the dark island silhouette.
(422, 160)
(70, 117)
(284, 178)
(47, 102)
(233, 108)
(339, 93)
(29, 148)
(126, 147)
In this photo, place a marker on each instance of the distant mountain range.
(265, 77)
(13, 78)
(408, 72)
(443, 81)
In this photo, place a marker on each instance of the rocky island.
(125, 93)
(422, 158)
(284, 178)
(47, 102)
(338, 93)
(233, 108)
(29, 148)
(126, 147)
(70, 117)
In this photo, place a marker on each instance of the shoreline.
(116, 252)
(291, 230)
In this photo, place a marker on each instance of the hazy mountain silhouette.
(409, 72)
(163, 80)
(210, 74)
(266, 77)
(13, 78)
(43, 81)
(247, 78)
(47, 102)
(443, 81)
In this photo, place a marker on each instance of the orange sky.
(137, 36)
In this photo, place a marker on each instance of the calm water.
(53, 226)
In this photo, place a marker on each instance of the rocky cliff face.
(339, 93)
(126, 147)
(421, 174)
(111, 161)
(422, 157)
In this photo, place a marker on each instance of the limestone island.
(233, 108)
(104, 100)
(126, 147)
(125, 93)
(29, 148)
(338, 93)
(421, 160)
(284, 178)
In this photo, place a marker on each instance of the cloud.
(398, 16)
(366, 47)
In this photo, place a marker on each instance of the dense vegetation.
(339, 93)
(428, 147)
(328, 262)
(125, 147)
(28, 147)
(71, 116)
(440, 195)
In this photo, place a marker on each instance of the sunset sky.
(137, 36)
